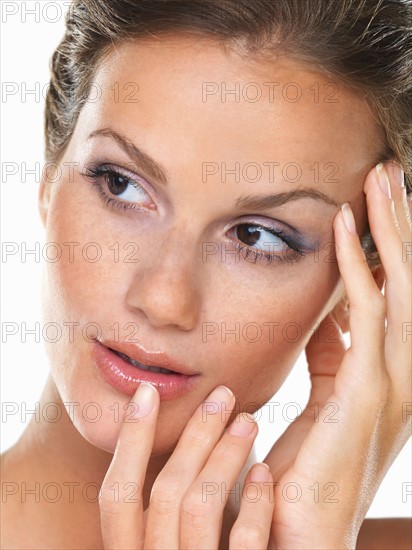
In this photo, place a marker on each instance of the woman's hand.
(189, 495)
(331, 465)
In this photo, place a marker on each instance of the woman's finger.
(203, 504)
(366, 303)
(399, 197)
(390, 227)
(361, 383)
(390, 230)
(324, 354)
(121, 501)
(195, 445)
(251, 529)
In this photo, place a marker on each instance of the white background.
(30, 32)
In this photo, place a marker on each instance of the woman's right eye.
(118, 190)
(123, 187)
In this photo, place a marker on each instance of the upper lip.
(151, 359)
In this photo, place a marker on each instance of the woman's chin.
(105, 433)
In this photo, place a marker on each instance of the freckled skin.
(171, 292)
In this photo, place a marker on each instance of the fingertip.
(146, 398)
(336, 219)
(370, 179)
(348, 218)
(260, 472)
(343, 235)
(338, 228)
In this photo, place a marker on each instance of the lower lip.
(125, 378)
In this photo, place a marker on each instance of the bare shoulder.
(385, 533)
(23, 522)
(10, 510)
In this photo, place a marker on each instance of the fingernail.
(243, 425)
(397, 174)
(383, 179)
(348, 218)
(260, 472)
(143, 400)
(220, 398)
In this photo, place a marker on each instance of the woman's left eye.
(263, 243)
(258, 236)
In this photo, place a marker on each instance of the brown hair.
(365, 44)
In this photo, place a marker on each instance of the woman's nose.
(166, 292)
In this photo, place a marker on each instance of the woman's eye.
(118, 190)
(260, 238)
(124, 188)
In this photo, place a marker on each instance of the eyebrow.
(254, 202)
(142, 159)
(266, 202)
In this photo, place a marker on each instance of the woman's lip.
(125, 378)
(151, 359)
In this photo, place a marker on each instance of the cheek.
(86, 278)
(259, 330)
(81, 296)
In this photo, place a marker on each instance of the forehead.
(188, 100)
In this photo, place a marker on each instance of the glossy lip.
(125, 377)
(149, 358)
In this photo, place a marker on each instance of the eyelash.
(96, 172)
(258, 255)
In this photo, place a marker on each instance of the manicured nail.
(143, 400)
(383, 179)
(243, 425)
(260, 472)
(219, 400)
(396, 173)
(348, 218)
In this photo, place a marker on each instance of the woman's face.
(227, 132)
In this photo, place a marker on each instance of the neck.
(57, 451)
